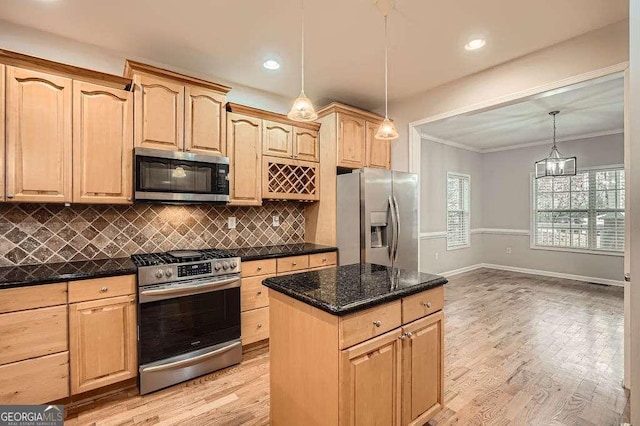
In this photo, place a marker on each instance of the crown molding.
(132, 67)
(518, 146)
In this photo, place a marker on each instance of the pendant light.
(387, 130)
(555, 164)
(302, 108)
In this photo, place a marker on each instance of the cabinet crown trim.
(21, 60)
(348, 109)
(268, 115)
(131, 67)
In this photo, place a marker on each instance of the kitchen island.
(356, 345)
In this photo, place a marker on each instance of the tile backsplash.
(48, 233)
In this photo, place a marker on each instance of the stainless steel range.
(188, 317)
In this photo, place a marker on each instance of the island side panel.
(304, 359)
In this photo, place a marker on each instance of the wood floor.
(520, 350)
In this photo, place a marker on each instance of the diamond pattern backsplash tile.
(48, 233)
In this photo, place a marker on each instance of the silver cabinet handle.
(10, 195)
(259, 268)
(377, 323)
(402, 336)
(104, 289)
(259, 292)
(190, 361)
(427, 304)
(627, 276)
(409, 334)
(295, 263)
(259, 325)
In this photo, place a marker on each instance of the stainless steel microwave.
(180, 177)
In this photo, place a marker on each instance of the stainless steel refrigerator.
(378, 218)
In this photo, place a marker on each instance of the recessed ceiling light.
(475, 44)
(271, 64)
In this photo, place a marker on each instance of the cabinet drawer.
(101, 288)
(322, 259)
(37, 332)
(35, 381)
(361, 326)
(253, 294)
(255, 325)
(258, 267)
(30, 297)
(422, 304)
(293, 263)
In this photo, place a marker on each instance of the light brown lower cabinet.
(324, 372)
(254, 296)
(102, 342)
(36, 380)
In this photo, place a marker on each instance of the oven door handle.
(190, 289)
(190, 361)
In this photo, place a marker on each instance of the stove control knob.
(168, 273)
(217, 266)
(159, 274)
(234, 265)
(225, 265)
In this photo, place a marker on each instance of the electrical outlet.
(437, 255)
(231, 222)
(508, 250)
(275, 221)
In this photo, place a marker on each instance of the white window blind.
(585, 211)
(458, 218)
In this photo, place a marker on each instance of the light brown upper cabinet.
(102, 144)
(204, 121)
(352, 131)
(2, 133)
(159, 106)
(351, 141)
(244, 146)
(277, 139)
(38, 136)
(306, 144)
(378, 151)
(177, 112)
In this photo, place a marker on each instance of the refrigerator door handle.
(397, 230)
(394, 230)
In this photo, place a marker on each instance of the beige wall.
(501, 200)
(61, 49)
(592, 51)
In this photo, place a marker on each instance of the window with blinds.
(458, 218)
(585, 211)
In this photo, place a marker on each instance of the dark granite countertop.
(29, 275)
(351, 288)
(272, 252)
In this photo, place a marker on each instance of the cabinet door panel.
(103, 143)
(102, 342)
(423, 369)
(2, 133)
(244, 146)
(306, 144)
(378, 151)
(370, 382)
(277, 139)
(205, 120)
(38, 145)
(159, 113)
(351, 142)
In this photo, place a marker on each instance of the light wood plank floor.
(520, 350)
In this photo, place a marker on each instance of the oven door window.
(164, 175)
(176, 326)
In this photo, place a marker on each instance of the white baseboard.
(533, 272)
(461, 270)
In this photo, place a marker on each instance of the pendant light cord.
(302, 38)
(386, 69)
(554, 132)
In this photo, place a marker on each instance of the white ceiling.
(231, 38)
(587, 109)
